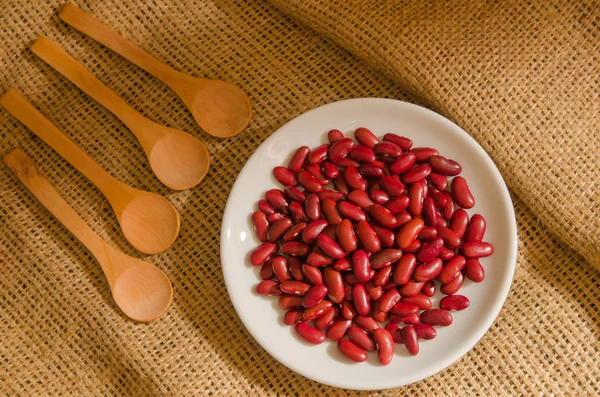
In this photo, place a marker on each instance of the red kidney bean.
(293, 316)
(337, 330)
(423, 153)
(290, 302)
(367, 236)
(298, 159)
(265, 207)
(285, 176)
(351, 351)
(404, 308)
(346, 237)
(374, 292)
(396, 332)
(441, 222)
(428, 233)
(410, 319)
(281, 269)
(348, 162)
(387, 238)
(317, 310)
(452, 287)
(275, 217)
(383, 216)
(379, 197)
(315, 295)
(430, 249)
(312, 274)
(409, 232)
(422, 301)
(318, 258)
(329, 169)
(428, 288)
(341, 265)
(361, 265)
(310, 334)
(425, 331)
(397, 204)
(425, 186)
(404, 268)
(451, 239)
(295, 265)
(335, 285)
(446, 254)
(268, 287)
(360, 338)
(371, 170)
(316, 171)
(436, 317)
(360, 198)
(347, 292)
(403, 218)
(366, 322)
(348, 310)
(448, 210)
(266, 271)
(378, 315)
(362, 154)
(439, 199)
(454, 302)
(353, 179)
(313, 230)
(365, 137)
(451, 268)
(350, 278)
(404, 143)
(389, 285)
(330, 247)
(413, 247)
(293, 287)
(387, 148)
(278, 229)
(382, 276)
(331, 195)
(444, 166)
(438, 181)
(403, 164)
(351, 211)
(391, 186)
(416, 174)
(295, 194)
(416, 194)
(312, 205)
(428, 271)
(262, 253)
(335, 135)
(476, 229)
(309, 182)
(461, 193)
(477, 249)
(261, 225)
(388, 300)
(327, 318)
(409, 336)
(330, 231)
(318, 154)
(329, 208)
(474, 271)
(411, 288)
(277, 200)
(385, 257)
(294, 248)
(459, 222)
(340, 149)
(429, 212)
(294, 232)
(385, 345)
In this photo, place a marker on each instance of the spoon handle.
(26, 170)
(17, 105)
(106, 36)
(66, 65)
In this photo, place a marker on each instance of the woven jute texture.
(61, 333)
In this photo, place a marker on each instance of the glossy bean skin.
(454, 302)
(274, 217)
(361, 299)
(430, 249)
(348, 310)
(293, 316)
(428, 288)
(351, 351)
(335, 284)
(411, 319)
(315, 295)
(440, 200)
(382, 276)
(425, 331)
(277, 200)
(446, 254)
(385, 345)
(387, 148)
(385, 257)
(436, 317)
(459, 222)
(331, 195)
(332, 215)
(262, 253)
(268, 288)
(421, 300)
(448, 210)
(374, 292)
(411, 288)
(367, 236)
(365, 137)
(318, 154)
(387, 238)
(293, 287)
(280, 268)
(341, 265)
(396, 332)
(404, 143)
(338, 329)
(403, 163)
(416, 194)
(310, 334)
(409, 336)
(451, 268)
(438, 181)
(348, 162)
(353, 179)
(474, 271)
(453, 285)
(327, 318)
(330, 247)
(265, 207)
(391, 186)
(451, 239)
(287, 302)
(294, 248)
(428, 233)
(266, 271)
(477, 249)
(318, 258)
(311, 273)
(317, 310)
(428, 271)
(362, 154)
(351, 211)
(361, 265)
(313, 231)
(285, 176)
(360, 198)
(298, 159)
(294, 232)
(366, 322)
(416, 174)
(461, 192)
(346, 237)
(383, 216)
(312, 207)
(309, 182)
(335, 135)
(444, 166)
(371, 171)
(397, 204)
(476, 229)
(424, 153)
(404, 269)
(340, 149)
(429, 212)
(409, 232)
(361, 338)
(413, 247)
(329, 169)
(278, 229)
(378, 315)
(261, 225)
(403, 308)
(388, 300)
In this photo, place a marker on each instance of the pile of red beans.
(362, 235)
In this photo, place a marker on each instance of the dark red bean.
(330, 247)
(429, 212)
(454, 302)
(410, 319)
(409, 232)
(428, 271)
(360, 198)
(451, 239)
(423, 153)
(268, 288)
(365, 137)
(366, 322)
(446, 254)
(277, 200)
(310, 334)
(265, 207)
(477, 249)
(391, 186)
(275, 217)
(294, 248)
(367, 236)
(385, 257)
(262, 253)
(404, 143)
(404, 308)
(294, 232)
(329, 169)
(312, 206)
(428, 288)
(379, 197)
(348, 310)
(266, 271)
(411, 288)
(293, 316)
(403, 164)
(476, 229)
(430, 249)
(337, 330)
(340, 149)
(362, 154)
(351, 211)
(317, 310)
(371, 170)
(351, 351)
(346, 237)
(387, 238)
(461, 193)
(436, 317)
(295, 265)
(331, 195)
(451, 268)
(280, 268)
(332, 215)
(444, 166)
(382, 276)
(327, 318)
(341, 265)
(353, 179)
(440, 182)
(312, 274)
(290, 301)
(335, 135)
(452, 287)
(421, 300)
(383, 216)
(361, 265)
(409, 336)
(404, 269)
(318, 154)
(387, 148)
(278, 229)
(390, 285)
(428, 233)
(416, 194)
(361, 338)
(298, 159)
(313, 230)
(388, 300)
(294, 287)
(416, 174)
(315, 295)
(425, 331)
(474, 271)
(374, 292)
(396, 332)
(348, 162)
(295, 194)
(385, 345)
(318, 258)
(413, 247)
(335, 284)
(439, 199)
(285, 176)
(448, 210)
(261, 225)
(397, 204)
(309, 182)
(459, 222)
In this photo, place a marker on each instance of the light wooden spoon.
(140, 289)
(178, 159)
(220, 108)
(149, 221)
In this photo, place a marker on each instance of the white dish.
(323, 363)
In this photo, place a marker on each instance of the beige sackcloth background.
(521, 77)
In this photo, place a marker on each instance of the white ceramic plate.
(324, 363)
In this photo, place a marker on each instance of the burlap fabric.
(60, 332)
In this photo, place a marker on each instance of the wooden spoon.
(178, 159)
(220, 108)
(140, 289)
(149, 222)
